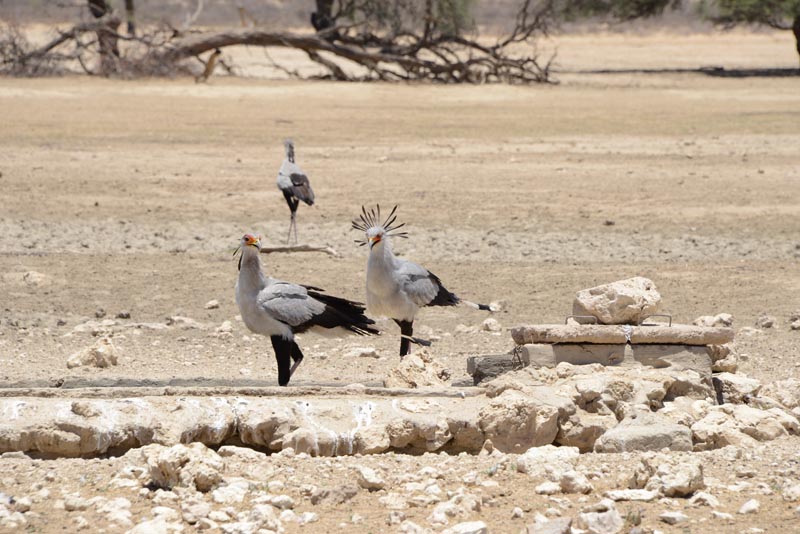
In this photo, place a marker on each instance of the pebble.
(701, 498)
(124, 314)
(212, 304)
(750, 507)
(548, 488)
(673, 518)
(721, 515)
(369, 479)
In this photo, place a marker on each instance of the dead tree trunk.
(796, 32)
(130, 16)
(107, 38)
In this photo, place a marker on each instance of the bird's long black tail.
(477, 306)
(343, 313)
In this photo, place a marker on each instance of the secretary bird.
(398, 288)
(280, 309)
(294, 185)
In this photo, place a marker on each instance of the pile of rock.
(619, 335)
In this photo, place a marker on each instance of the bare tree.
(393, 40)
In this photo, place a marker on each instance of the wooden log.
(620, 334)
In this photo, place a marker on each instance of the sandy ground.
(130, 196)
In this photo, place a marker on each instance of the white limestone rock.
(602, 518)
(419, 369)
(621, 302)
(101, 354)
(670, 475)
(750, 507)
(369, 479)
(193, 466)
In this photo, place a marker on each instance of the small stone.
(124, 314)
(560, 525)
(574, 482)
(395, 518)
(468, 527)
(185, 323)
(212, 304)
(750, 507)
(362, 352)
(640, 495)
(792, 494)
(283, 502)
(517, 513)
(308, 517)
(765, 321)
(701, 498)
(73, 503)
(22, 504)
(721, 319)
(102, 354)
(99, 313)
(548, 488)
(673, 518)
(491, 324)
(721, 515)
(369, 479)
(601, 518)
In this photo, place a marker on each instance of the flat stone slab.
(620, 334)
(677, 357)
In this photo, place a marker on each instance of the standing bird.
(294, 184)
(398, 288)
(280, 310)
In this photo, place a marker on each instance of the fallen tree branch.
(301, 248)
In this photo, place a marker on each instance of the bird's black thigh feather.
(291, 200)
(283, 354)
(406, 331)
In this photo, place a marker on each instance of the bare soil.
(131, 195)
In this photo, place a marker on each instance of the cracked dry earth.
(120, 203)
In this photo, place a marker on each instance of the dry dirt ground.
(130, 196)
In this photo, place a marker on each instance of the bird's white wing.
(417, 282)
(289, 303)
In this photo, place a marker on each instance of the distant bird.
(280, 310)
(398, 288)
(294, 184)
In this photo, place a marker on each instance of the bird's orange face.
(375, 238)
(249, 240)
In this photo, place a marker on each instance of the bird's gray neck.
(290, 152)
(382, 255)
(251, 279)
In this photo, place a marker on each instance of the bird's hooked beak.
(374, 240)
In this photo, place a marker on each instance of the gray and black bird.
(280, 310)
(294, 184)
(398, 288)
